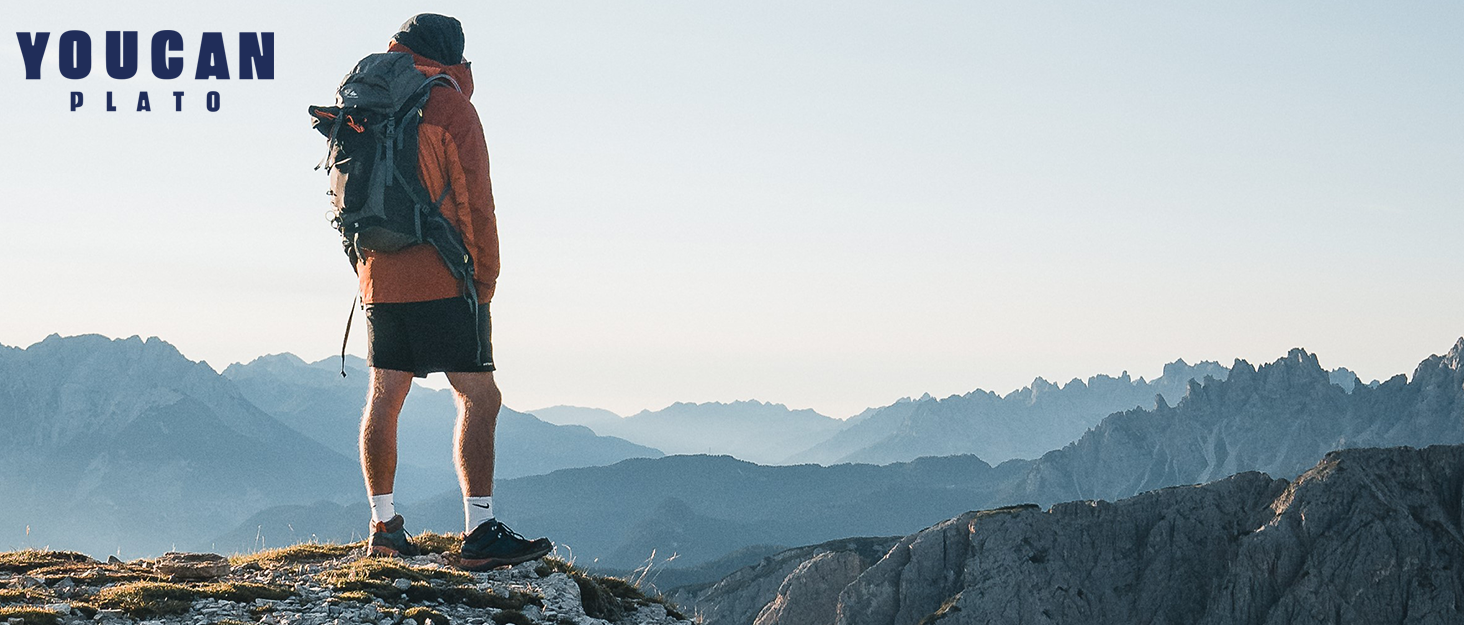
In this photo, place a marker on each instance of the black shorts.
(427, 337)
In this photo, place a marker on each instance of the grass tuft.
(303, 553)
(147, 599)
(425, 615)
(612, 598)
(388, 569)
(433, 542)
(20, 595)
(29, 615)
(356, 596)
(27, 560)
(551, 565)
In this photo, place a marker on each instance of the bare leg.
(478, 401)
(379, 428)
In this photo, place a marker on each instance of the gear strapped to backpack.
(380, 202)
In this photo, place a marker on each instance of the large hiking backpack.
(380, 202)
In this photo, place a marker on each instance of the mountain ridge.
(1365, 535)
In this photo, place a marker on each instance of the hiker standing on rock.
(409, 173)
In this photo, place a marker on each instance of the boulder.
(192, 565)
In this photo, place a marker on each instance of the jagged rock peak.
(1372, 535)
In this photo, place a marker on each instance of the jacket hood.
(462, 72)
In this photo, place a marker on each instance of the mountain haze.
(316, 400)
(126, 443)
(1022, 424)
(1280, 417)
(758, 432)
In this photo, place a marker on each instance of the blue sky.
(828, 205)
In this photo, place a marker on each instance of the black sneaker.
(492, 544)
(390, 539)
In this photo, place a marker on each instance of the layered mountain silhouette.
(692, 507)
(114, 443)
(1279, 418)
(126, 444)
(314, 399)
(751, 430)
(1025, 423)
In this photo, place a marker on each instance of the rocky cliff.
(1366, 536)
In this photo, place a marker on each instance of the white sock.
(382, 509)
(478, 511)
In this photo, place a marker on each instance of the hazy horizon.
(438, 381)
(828, 207)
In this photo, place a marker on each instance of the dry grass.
(20, 595)
(389, 569)
(609, 598)
(356, 596)
(433, 542)
(28, 560)
(29, 615)
(303, 553)
(425, 615)
(147, 599)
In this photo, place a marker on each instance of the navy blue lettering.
(212, 61)
(121, 54)
(75, 54)
(212, 101)
(164, 66)
(75, 100)
(142, 103)
(109, 102)
(178, 95)
(32, 49)
(254, 58)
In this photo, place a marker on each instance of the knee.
(487, 398)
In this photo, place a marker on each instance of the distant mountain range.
(314, 399)
(126, 444)
(750, 430)
(109, 438)
(694, 507)
(1025, 423)
(1279, 418)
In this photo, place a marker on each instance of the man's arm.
(464, 160)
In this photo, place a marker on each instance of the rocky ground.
(313, 584)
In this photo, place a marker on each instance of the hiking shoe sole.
(382, 551)
(488, 564)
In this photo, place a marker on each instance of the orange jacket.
(450, 147)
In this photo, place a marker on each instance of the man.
(418, 322)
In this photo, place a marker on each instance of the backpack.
(380, 202)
